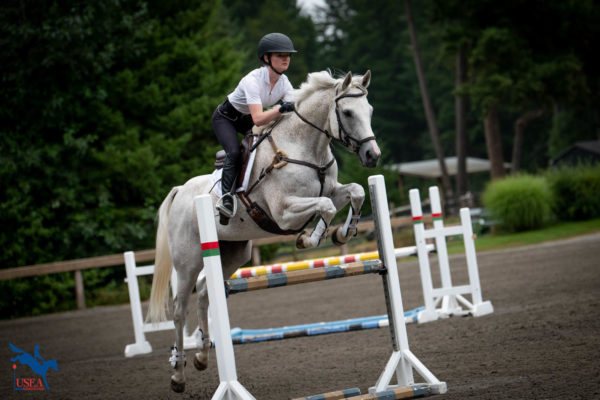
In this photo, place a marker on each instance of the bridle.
(343, 136)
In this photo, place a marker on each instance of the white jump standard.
(402, 360)
(450, 297)
(140, 328)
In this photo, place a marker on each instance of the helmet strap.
(271, 65)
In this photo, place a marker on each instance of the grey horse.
(293, 180)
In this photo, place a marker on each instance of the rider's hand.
(286, 106)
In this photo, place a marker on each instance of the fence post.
(79, 289)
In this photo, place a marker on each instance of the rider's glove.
(286, 106)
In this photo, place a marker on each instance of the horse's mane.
(315, 81)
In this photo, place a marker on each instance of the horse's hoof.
(200, 366)
(177, 387)
(335, 239)
(300, 241)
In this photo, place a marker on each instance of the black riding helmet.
(274, 43)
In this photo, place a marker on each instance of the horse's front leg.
(343, 194)
(296, 210)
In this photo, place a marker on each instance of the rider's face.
(280, 61)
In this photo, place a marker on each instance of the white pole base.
(483, 309)
(138, 348)
(427, 316)
(191, 342)
(397, 365)
(452, 308)
(232, 390)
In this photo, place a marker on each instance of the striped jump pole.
(320, 262)
(243, 336)
(302, 276)
(229, 387)
(407, 392)
(337, 395)
(450, 298)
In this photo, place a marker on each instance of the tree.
(461, 121)
(521, 66)
(431, 121)
(105, 107)
(256, 19)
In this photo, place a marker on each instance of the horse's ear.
(347, 81)
(366, 79)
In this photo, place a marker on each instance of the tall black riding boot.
(226, 203)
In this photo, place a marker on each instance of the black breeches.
(226, 127)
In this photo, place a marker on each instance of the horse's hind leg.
(201, 358)
(185, 282)
(233, 255)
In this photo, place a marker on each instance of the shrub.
(576, 191)
(520, 202)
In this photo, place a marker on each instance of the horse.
(293, 180)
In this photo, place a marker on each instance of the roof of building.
(589, 146)
(431, 168)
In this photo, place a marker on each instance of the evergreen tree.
(105, 107)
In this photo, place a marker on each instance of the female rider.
(244, 107)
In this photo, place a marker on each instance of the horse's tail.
(162, 263)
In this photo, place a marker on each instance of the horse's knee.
(327, 209)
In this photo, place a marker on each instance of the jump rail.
(303, 276)
(402, 360)
(321, 262)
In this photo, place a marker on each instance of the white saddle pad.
(216, 175)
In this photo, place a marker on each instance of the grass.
(558, 231)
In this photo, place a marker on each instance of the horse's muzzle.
(369, 154)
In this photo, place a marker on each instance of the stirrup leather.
(224, 210)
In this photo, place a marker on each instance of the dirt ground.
(541, 342)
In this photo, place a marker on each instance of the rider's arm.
(260, 117)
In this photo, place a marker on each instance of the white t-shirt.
(255, 88)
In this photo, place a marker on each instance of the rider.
(262, 87)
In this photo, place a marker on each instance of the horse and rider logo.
(37, 364)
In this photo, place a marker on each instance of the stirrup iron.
(224, 211)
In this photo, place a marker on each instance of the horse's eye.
(348, 113)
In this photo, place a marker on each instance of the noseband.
(343, 136)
